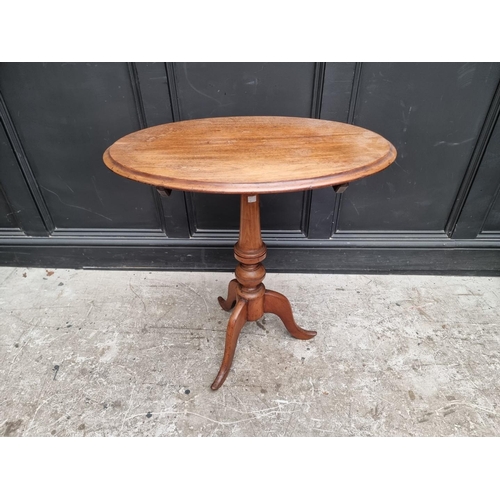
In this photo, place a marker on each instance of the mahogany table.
(250, 156)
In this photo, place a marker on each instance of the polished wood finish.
(230, 302)
(260, 154)
(247, 291)
(278, 304)
(238, 318)
(250, 155)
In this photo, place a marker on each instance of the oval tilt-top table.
(250, 156)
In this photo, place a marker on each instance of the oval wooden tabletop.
(249, 154)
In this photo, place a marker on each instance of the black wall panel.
(15, 177)
(437, 209)
(337, 91)
(492, 223)
(433, 114)
(278, 212)
(242, 89)
(7, 219)
(480, 215)
(66, 115)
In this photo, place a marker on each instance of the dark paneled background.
(435, 210)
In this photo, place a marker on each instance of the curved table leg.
(278, 304)
(230, 302)
(236, 321)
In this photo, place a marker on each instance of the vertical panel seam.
(176, 116)
(316, 103)
(143, 123)
(474, 163)
(136, 92)
(318, 87)
(173, 95)
(172, 92)
(353, 101)
(24, 166)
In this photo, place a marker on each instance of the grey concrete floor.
(124, 353)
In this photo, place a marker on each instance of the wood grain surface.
(249, 154)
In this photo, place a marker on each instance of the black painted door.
(436, 209)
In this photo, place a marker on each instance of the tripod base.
(275, 303)
(246, 295)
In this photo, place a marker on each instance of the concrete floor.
(123, 353)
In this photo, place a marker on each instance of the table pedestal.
(247, 294)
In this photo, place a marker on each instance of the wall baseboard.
(476, 260)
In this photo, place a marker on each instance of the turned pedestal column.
(247, 294)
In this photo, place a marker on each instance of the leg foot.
(230, 302)
(236, 321)
(278, 304)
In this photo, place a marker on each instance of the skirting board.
(451, 261)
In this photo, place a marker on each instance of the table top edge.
(254, 187)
